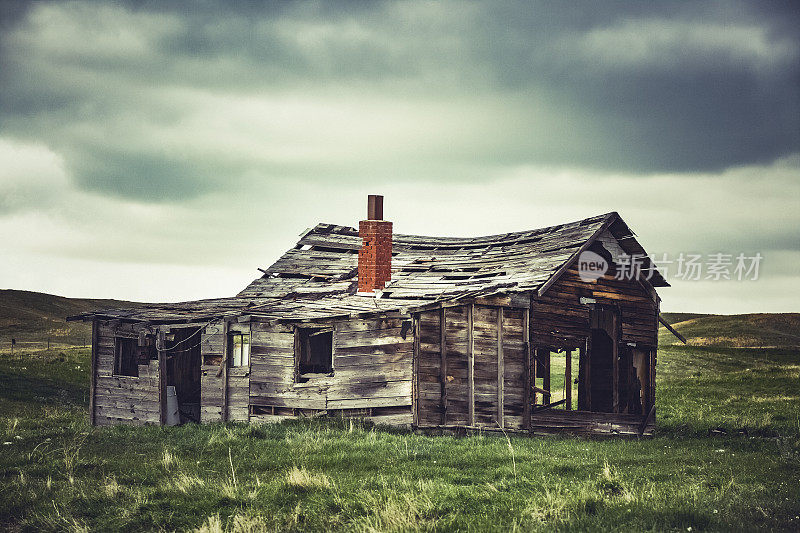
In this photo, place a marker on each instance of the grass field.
(58, 473)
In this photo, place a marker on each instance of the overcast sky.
(162, 151)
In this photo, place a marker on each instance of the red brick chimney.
(375, 255)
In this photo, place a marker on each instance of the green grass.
(758, 330)
(58, 473)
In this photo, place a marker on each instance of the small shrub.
(168, 459)
(303, 480)
(111, 488)
(185, 483)
(609, 482)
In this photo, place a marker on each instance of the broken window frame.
(241, 357)
(302, 344)
(120, 368)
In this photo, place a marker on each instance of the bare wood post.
(162, 377)
(443, 363)
(584, 376)
(526, 392)
(653, 358)
(225, 365)
(471, 361)
(615, 365)
(568, 380)
(93, 377)
(415, 366)
(546, 380)
(534, 372)
(500, 370)
(297, 352)
(646, 419)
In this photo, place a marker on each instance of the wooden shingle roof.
(317, 278)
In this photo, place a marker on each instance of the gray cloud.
(123, 120)
(632, 86)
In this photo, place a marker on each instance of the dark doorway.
(629, 389)
(183, 371)
(601, 375)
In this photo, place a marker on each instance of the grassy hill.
(758, 330)
(33, 317)
(674, 318)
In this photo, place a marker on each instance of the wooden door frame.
(615, 334)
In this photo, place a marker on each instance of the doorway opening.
(601, 375)
(184, 370)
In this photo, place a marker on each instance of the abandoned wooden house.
(498, 332)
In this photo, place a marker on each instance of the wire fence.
(8, 346)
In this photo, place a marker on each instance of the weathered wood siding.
(479, 379)
(486, 383)
(457, 385)
(372, 372)
(238, 383)
(216, 372)
(559, 320)
(272, 373)
(123, 399)
(212, 350)
(372, 364)
(430, 400)
(585, 423)
(515, 374)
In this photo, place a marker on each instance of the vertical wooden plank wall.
(93, 378)
(515, 381)
(483, 374)
(486, 367)
(527, 400)
(224, 366)
(430, 378)
(471, 364)
(500, 370)
(443, 363)
(162, 377)
(212, 351)
(236, 383)
(457, 385)
(615, 364)
(415, 372)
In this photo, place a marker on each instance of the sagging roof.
(317, 278)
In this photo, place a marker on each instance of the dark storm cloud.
(622, 86)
